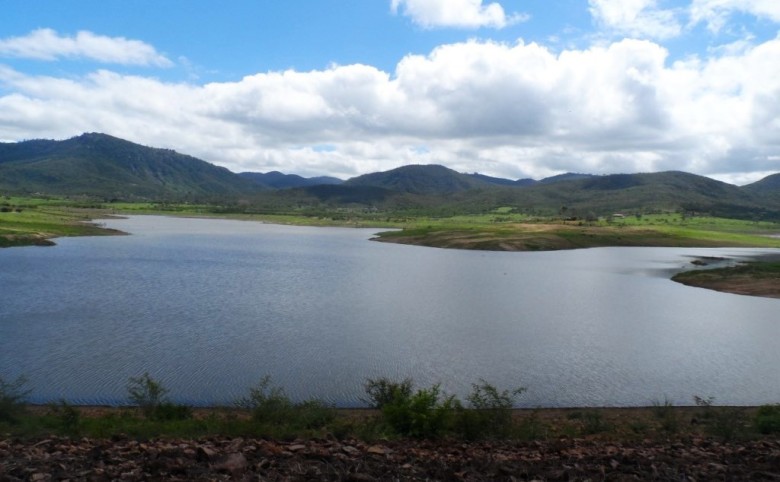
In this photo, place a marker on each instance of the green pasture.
(33, 221)
(25, 221)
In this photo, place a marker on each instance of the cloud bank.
(513, 110)
(46, 44)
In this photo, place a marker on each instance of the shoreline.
(511, 238)
(757, 276)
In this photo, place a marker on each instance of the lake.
(209, 307)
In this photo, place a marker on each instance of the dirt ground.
(218, 458)
(743, 285)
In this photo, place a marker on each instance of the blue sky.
(513, 88)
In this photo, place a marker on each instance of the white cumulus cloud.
(47, 44)
(513, 110)
(456, 13)
(637, 18)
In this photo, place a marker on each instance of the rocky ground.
(696, 459)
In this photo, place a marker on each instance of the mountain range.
(108, 168)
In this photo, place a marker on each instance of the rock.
(234, 464)
(205, 453)
(377, 450)
(349, 450)
(361, 478)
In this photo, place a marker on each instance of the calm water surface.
(210, 306)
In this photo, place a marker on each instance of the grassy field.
(607, 424)
(518, 233)
(34, 221)
(757, 278)
(27, 221)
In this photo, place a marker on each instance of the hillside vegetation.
(105, 167)
(97, 167)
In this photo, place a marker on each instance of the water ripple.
(209, 307)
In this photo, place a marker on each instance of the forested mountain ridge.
(106, 167)
(278, 180)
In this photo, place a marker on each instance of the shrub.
(768, 419)
(724, 422)
(12, 397)
(702, 402)
(532, 427)
(382, 391)
(68, 417)
(728, 422)
(490, 411)
(267, 403)
(167, 411)
(594, 422)
(314, 414)
(146, 393)
(271, 406)
(422, 415)
(664, 412)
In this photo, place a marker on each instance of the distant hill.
(99, 165)
(278, 180)
(420, 179)
(627, 193)
(500, 181)
(767, 185)
(567, 176)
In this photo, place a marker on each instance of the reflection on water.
(210, 306)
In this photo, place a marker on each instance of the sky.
(508, 88)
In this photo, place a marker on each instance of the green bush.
(167, 411)
(532, 427)
(12, 397)
(267, 403)
(728, 423)
(664, 412)
(489, 411)
(146, 393)
(424, 414)
(593, 422)
(427, 413)
(767, 419)
(725, 422)
(271, 406)
(67, 417)
(382, 391)
(314, 414)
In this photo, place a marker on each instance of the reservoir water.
(208, 307)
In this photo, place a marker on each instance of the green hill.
(98, 165)
(278, 180)
(420, 179)
(105, 167)
(767, 190)
(625, 193)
